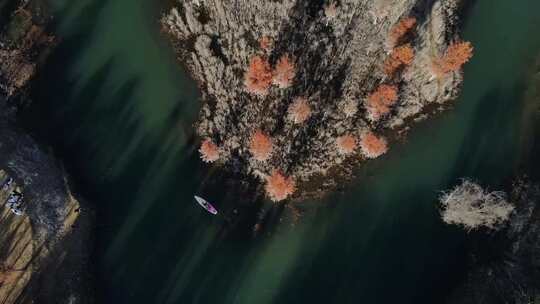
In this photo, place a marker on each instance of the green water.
(118, 110)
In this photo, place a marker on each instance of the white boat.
(206, 205)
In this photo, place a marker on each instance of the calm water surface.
(118, 110)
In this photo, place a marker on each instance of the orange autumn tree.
(260, 146)
(258, 77)
(400, 57)
(209, 151)
(373, 146)
(278, 186)
(400, 30)
(457, 54)
(346, 144)
(380, 101)
(284, 71)
(299, 111)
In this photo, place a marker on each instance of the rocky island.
(295, 94)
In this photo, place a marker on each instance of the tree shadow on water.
(491, 147)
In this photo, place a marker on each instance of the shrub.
(400, 57)
(258, 77)
(299, 111)
(209, 151)
(346, 144)
(260, 146)
(380, 101)
(470, 206)
(454, 58)
(279, 187)
(400, 30)
(284, 72)
(373, 146)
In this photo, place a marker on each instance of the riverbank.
(49, 232)
(347, 79)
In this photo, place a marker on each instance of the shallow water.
(118, 110)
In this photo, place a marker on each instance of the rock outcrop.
(330, 53)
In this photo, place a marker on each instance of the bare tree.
(470, 206)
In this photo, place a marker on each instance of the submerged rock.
(331, 55)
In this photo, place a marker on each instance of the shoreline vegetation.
(296, 94)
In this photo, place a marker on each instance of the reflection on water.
(119, 111)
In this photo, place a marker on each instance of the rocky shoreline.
(295, 94)
(45, 249)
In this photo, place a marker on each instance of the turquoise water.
(118, 110)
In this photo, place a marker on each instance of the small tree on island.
(258, 76)
(349, 107)
(266, 43)
(400, 57)
(278, 186)
(346, 144)
(209, 151)
(470, 206)
(299, 111)
(380, 101)
(260, 145)
(330, 10)
(284, 72)
(372, 145)
(457, 54)
(399, 31)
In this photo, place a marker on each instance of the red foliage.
(457, 54)
(400, 57)
(299, 110)
(260, 146)
(209, 151)
(279, 187)
(258, 77)
(400, 30)
(346, 144)
(380, 101)
(284, 71)
(373, 146)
